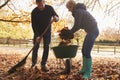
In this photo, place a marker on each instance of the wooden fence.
(98, 47)
(16, 42)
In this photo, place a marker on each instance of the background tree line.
(15, 17)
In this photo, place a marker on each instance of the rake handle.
(41, 36)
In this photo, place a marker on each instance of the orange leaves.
(103, 69)
(59, 25)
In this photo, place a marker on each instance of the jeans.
(46, 42)
(89, 42)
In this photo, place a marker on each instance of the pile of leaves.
(103, 69)
(65, 34)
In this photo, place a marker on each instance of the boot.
(83, 67)
(34, 61)
(44, 68)
(88, 69)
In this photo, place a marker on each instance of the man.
(41, 17)
(84, 20)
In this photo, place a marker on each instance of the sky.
(103, 21)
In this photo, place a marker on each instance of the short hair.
(71, 3)
(38, 0)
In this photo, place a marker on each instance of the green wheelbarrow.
(67, 52)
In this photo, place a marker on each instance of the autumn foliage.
(103, 69)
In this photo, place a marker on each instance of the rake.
(23, 61)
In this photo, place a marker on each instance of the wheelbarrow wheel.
(68, 66)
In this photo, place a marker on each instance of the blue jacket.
(83, 19)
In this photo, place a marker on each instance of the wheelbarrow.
(66, 52)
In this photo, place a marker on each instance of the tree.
(10, 12)
(110, 34)
(110, 7)
(5, 2)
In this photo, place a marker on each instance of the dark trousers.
(46, 42)
(89, 42)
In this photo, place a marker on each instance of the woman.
(84, 20)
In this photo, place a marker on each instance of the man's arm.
(34, 24)
(54, 14)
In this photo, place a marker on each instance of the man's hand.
(38, 39)
(56, 18)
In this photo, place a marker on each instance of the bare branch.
(11, 8)
(4, 4)
(110, 9)
(3, 20)
(94, 5)
(88, 3)
(99, 3)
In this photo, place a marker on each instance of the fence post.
(14, 42)
(19, 42)
(98, 48)
(114, 50)
(8, 40)
(26, 43)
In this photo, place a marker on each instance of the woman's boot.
(88, 68)
(83, 66)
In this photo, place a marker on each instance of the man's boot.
(44, 68)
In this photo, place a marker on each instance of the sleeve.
(53, 12)
(77, 22)
(34, 23)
